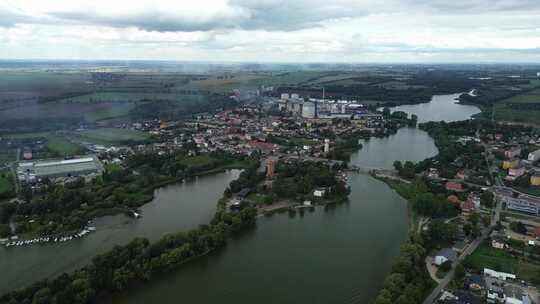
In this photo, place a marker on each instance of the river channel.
(335, 254)
(175, 207)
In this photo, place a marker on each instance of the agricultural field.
(505, 113)
(114, 110)
(528, 97)
(111, 135)
(42, 82)
(250, 81)
(113, 97)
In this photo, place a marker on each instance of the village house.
(512, 152)
(445, 254)
(535, 179)
(510, 163)
(454, 186)
(514, 173)
(467, 207)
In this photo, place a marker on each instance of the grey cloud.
(148, 21)
(271, 15)
(283, 15)
(9, 17)
(475, 6)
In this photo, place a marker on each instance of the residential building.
(271, 167)
(453, 186)
(467, 207)
(522, 203)
(475, 282)
(534, 156)
(320, 192)
(514, 173)
(535, 179)
(512, 152)
(498, 275)
(445, 254)
(510, 163)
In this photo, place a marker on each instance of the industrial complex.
(31, 172)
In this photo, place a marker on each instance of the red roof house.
(453, 186)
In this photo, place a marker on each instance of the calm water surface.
(175, 207)
(441, 107)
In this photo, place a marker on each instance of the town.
(475, 204)
(483, 235)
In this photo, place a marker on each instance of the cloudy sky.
(273, 30)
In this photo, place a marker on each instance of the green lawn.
(112, 135)
(533, 191)
(197, 161)
(113, 167)
(487, 257)
(520, 216)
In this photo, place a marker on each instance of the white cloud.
(272, 30)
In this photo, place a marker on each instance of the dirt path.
(432, 269)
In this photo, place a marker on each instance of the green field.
(528, 97)
(114, 111)
(6, 183)
(533, 191)
(8, 155)
(487, 257)
(504, 113)
(112, 135)
(251, 81)
(62, 146)
(56, 144)
(42, 81)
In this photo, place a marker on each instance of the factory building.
(32, 171)
(308, 110)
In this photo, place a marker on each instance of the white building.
(326, 145)
(445, 254)
(499, 275)
(319, 192)
(534, 156)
